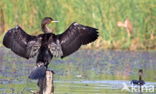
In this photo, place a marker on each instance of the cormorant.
(48, 45)
(140, 81)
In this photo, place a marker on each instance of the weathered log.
(46, 84)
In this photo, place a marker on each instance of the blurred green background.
(100, 65)
(102, 14)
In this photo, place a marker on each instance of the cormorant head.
(48, 20)
(140, 71)
(45, 21)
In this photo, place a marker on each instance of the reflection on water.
(85, 72)
(85, 87)
(95, 86)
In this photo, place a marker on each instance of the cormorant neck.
(140, 77)
(45, 28)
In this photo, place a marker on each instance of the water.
(84, 72)
(94, 87)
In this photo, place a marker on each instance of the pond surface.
(84, 72)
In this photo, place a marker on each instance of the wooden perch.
(46, 85)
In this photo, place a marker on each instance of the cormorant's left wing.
(22, 43)
(75, 36)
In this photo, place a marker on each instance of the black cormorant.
(48, 45)
(140, 81)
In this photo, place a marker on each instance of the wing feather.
(21, 43)
(75, 36)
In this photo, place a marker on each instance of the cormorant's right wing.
(21, 43)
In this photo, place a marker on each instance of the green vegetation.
(68, 87)
(102, 14)
(61, 88)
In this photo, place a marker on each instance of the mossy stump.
(46, 84)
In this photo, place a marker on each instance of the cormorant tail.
(38, 73)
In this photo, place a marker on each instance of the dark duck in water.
(48, 45)
(140, 81)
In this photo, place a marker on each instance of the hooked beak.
(54, 21)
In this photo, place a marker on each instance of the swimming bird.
(140, 81)
(48, 45)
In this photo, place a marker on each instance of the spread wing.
(75, 36)
(21, 43)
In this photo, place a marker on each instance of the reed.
(102, 14)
